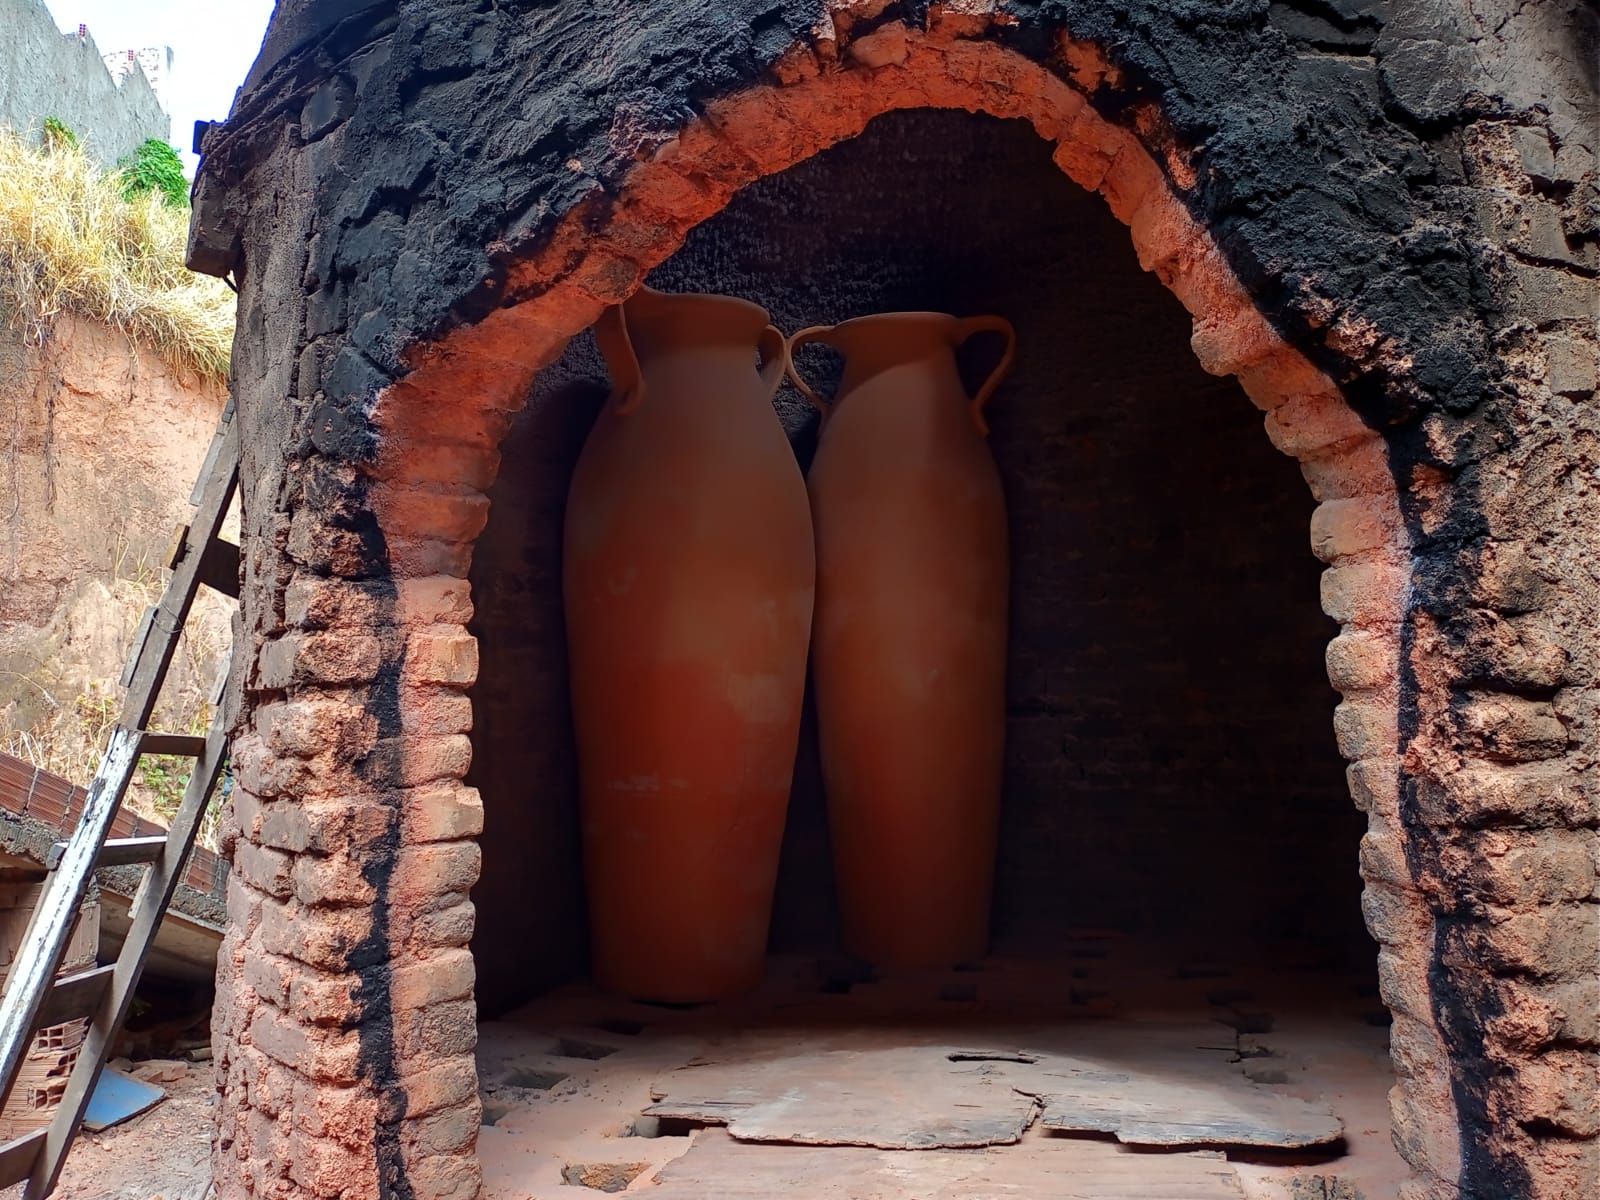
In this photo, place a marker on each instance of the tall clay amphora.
(910, 635)
(688, 577)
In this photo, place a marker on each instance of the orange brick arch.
(440, 428)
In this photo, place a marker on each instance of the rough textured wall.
(103, 440)
(45, 73)
(1407, 195)
(1171, 763)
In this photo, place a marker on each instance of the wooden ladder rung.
(219, 560)
(17, 1157)
(116, 852)
(219, 569)
(74, 996)
(186, 744)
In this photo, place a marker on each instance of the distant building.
(47, 73)
(155, 61)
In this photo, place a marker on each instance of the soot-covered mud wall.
(1383, 220)
(1171, 764)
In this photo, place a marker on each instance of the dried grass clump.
(69, 242)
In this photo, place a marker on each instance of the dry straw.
(69, 242)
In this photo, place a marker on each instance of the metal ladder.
(34, 997)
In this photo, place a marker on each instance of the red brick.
(434, 876)
(331, 1171)
(335, 881)
(432, 1085)
(297, 658)
(441, 813)
(1359, 661)
(433, 711)
(1365, 595)
(317, 998)
(1375, 787)
(310, 725)
(1360, 468)
(1559, 1168)
(315, 1054)
(344, 823)
(243, 905)
(1560, 1088)
(420, 511)
(439, 462)
(268, 976)
(451, 926)
(241, 815)
(433, 600)
(266, 870)
(406, 762)
(1512, 728)
(1230, 340)
(1311, 425)
(286, 826)
(447, 1177)
(346, 1115)
(1163, 231)
(322, 938)
(1347, 527)
(1554, 943)
(1540, 869)
(313, 602)
(1426, 1137)
(441, 654)
(1530, 795)
(1383, 858)
(448, 975)
(1365, 729)
(452, 1130)
(445, 1030)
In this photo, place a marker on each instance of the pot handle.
(965, 329)
(774, 358)
(816, 333)
(616, 347)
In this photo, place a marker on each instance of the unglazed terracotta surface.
(688, 585)
(910, 635)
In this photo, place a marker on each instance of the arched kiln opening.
(1177, 835)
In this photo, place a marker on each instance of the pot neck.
(661, 323)
(884, 340)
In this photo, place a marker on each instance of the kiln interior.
(1177, 841)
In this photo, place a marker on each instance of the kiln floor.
(1108, 1070)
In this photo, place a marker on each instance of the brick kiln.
(1382, 221)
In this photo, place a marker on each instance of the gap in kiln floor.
(1180, 1054)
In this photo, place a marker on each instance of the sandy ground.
(162, 1154)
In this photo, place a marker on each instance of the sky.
(213, 44)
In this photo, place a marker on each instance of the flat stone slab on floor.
(894, 1098)
(1149, 1084)
(719, 1166)
(1166, 1085)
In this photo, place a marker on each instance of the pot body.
(688, 582)
(910, 643)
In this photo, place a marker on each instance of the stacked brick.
(1455, 540)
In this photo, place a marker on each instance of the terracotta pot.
(689, 575)
(910, 635)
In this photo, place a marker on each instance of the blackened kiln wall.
(1171, 768)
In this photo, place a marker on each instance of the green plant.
(164, 778)
(155, 168)
(57, 136)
